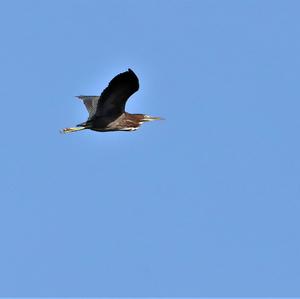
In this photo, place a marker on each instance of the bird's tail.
(151, 118)
(71, 130)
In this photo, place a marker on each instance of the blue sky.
(205, 203)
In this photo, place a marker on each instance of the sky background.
(205, 203)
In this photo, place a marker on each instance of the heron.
(107, 111)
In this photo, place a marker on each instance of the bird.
(107, 111)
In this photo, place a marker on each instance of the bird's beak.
(70, 130)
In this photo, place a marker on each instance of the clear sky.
(205, 203)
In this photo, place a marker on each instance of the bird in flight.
(107, 111)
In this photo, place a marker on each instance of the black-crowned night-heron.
(107, 111)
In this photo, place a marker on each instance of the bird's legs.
(151, 118)
(70, 130)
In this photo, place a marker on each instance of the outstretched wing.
(113, 98)
(90, 103)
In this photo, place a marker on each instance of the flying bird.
(107, 111)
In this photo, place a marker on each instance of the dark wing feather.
(114, 97)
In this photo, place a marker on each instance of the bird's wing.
(113, 98)
(90, 103)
